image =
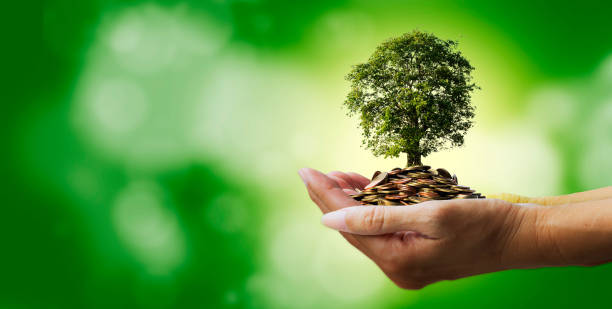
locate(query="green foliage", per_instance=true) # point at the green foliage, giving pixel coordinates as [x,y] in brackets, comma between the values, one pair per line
[413,96]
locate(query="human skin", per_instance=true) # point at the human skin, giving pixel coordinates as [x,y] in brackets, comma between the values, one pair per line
[428,242]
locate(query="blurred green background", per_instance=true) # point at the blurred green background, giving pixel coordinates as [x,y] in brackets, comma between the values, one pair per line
[151,147]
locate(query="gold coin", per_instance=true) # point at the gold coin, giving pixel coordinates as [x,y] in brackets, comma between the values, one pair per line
[379,179]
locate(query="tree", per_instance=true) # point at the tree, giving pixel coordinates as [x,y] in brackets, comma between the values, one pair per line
[412,96]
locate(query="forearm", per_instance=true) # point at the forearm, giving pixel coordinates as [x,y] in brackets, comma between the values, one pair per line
[570,234]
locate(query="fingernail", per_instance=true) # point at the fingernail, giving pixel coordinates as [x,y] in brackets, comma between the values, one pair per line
[349,191]
[303,175]
[335,220]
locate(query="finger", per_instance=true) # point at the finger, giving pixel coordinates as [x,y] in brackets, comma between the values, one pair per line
[340,181]
[325,209]
[322,206]
[347,188]
[377,220]
[359,180]
[349,191]
[349,237]
[318,202]
[327,190]
[345,178]
[328,193]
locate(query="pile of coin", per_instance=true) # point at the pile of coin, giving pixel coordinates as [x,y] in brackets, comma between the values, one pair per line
[412,185]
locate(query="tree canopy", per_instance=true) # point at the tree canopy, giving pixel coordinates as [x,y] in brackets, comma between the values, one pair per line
[412,96]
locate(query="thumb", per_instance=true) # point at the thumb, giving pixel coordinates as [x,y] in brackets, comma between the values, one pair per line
[376,220]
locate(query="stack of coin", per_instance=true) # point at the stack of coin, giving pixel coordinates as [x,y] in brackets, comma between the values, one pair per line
[412,185]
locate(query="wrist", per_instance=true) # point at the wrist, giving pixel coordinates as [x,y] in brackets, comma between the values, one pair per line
[579,234]
[549,242]
[531,239]
[565,235]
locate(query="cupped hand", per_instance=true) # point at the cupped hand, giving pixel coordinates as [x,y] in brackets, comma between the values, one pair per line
[428,242]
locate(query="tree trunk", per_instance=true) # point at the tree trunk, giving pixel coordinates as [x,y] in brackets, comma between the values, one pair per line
[414,159]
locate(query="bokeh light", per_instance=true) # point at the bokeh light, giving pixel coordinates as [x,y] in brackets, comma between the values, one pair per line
[149,228]
[152,147]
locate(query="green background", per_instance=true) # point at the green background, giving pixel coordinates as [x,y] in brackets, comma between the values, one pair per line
[150,148]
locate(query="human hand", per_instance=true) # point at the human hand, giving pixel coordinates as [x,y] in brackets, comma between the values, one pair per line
[432,241]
